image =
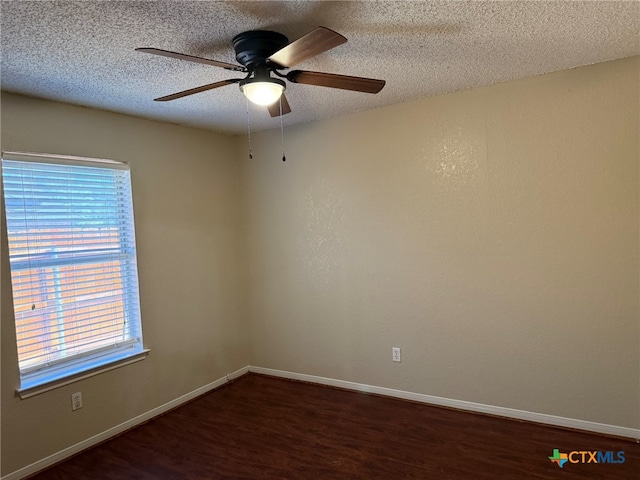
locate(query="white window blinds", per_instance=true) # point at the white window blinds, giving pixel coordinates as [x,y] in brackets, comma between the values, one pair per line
[72,254]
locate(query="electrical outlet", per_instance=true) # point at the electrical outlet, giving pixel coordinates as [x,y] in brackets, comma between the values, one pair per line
[395,354]
[76,401]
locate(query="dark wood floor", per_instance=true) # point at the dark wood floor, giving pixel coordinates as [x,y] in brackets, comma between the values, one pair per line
[264,427]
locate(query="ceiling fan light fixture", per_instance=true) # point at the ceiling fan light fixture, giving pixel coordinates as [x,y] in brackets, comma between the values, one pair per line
[262,53]
[263,92]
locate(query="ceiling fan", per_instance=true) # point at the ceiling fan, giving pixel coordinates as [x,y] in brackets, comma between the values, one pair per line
[262,53]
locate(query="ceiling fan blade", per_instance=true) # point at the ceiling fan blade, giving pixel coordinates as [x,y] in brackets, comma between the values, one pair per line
[332,80]
[274,108]
[313,43]
[191,91]
[191,58]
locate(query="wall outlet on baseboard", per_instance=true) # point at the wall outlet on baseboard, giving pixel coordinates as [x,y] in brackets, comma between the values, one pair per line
[395,354]
[76,401]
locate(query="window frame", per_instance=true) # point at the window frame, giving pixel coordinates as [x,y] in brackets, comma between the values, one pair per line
[49,375]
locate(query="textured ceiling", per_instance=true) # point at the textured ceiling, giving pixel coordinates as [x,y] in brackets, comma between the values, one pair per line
[83,52]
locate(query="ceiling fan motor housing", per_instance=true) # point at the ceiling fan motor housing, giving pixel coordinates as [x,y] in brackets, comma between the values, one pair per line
[255,46]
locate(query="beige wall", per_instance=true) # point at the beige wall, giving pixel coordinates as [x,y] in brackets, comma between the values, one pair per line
[492,234]
[186,186]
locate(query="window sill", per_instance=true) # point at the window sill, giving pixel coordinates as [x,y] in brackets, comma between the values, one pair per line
[24,393]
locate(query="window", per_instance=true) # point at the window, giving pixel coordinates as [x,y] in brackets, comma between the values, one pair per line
[72,255]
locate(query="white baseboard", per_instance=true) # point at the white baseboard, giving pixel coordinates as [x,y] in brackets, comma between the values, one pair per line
[101,437]
[359,387]
[459,404]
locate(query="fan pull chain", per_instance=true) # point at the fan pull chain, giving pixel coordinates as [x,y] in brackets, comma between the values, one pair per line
[249,130]
[284,158]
